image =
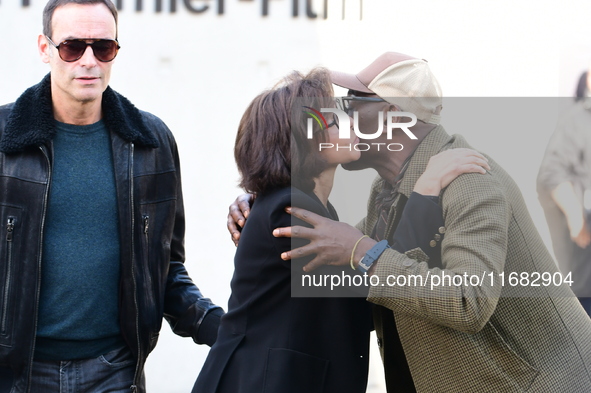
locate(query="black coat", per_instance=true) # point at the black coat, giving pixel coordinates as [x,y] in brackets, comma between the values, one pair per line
[154,282]
[271,342]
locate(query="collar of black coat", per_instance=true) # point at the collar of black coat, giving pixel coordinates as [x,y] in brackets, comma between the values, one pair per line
[31,121]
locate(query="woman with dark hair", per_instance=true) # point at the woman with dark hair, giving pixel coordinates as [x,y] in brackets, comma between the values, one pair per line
[269,341]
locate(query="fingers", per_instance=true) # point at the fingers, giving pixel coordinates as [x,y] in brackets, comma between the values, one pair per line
[463,160]
[240,208]
[313,265]
[297,253]
[295,232]
[244,203]
[481,161]
[461,167]
[238,212]
[474,168]
[446,166]
[235,219]
[282,232]
[472,164]
[305,215]
[233,229]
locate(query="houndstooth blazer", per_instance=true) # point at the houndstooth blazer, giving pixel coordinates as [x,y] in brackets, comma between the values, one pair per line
[488,337]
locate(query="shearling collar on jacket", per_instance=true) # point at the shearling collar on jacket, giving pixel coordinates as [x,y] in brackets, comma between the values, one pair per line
[31,121]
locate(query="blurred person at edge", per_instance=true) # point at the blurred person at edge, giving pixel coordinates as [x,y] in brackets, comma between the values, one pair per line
[448,338]
[582,89]
[564,191]
[92,219]
[270,341]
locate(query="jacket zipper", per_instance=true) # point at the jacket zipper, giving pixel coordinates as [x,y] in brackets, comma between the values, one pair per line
[134,387]
[9,234]
[45,199]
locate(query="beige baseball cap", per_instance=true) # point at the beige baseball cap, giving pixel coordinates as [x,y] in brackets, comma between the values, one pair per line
[401,80]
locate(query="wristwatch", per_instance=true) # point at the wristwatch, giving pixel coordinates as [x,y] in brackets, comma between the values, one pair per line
[372,255]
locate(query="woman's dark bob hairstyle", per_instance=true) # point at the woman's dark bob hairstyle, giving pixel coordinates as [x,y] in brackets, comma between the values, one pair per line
[272,149]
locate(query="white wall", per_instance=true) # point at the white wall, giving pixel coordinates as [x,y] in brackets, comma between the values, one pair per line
[199,71]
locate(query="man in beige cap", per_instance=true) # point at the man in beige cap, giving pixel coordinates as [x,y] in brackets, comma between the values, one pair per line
[471,321]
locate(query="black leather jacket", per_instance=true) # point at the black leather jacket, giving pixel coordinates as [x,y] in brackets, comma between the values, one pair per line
[154,282]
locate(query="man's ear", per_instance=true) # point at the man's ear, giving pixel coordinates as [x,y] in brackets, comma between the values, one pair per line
[392,108]
[44,48]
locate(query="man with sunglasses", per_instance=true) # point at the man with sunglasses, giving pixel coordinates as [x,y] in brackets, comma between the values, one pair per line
[92,222]
[437,333]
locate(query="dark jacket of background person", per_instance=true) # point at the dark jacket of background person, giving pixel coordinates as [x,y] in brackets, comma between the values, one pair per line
[270,342]
[154,282]
[568,158]
[482,338]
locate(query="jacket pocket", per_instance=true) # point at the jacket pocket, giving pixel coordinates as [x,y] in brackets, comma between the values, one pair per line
[10,220]
[145,258]
[513,365]
[290,371]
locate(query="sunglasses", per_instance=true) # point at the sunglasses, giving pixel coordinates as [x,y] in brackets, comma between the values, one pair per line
[334,122]
[346,103]
[72,50]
